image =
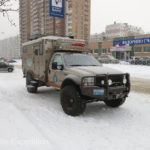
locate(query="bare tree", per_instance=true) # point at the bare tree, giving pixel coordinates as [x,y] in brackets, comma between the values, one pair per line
[6,6]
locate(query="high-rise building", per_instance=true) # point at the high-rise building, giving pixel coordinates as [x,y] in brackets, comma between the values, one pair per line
[78,18]
[41,23]
[24,18]
[36,21]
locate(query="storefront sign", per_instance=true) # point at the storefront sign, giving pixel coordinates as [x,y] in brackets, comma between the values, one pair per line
[56,8]
[118,49]
[132,42]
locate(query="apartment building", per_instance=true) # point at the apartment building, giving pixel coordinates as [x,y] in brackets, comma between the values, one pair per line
[122,30]
[35,20]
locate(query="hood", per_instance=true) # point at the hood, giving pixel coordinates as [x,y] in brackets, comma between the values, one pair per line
[92,71]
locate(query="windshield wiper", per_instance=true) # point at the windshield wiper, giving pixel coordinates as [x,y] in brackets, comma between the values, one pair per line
[92,65]
[76,65]
[83,65]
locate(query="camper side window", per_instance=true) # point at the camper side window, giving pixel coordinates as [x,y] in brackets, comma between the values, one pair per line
[36,50]
[41,49]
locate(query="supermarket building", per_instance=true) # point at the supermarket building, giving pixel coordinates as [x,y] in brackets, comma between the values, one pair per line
[123,48]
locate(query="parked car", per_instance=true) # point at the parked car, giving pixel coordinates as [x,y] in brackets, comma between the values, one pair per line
[145,60]
[140,60]
[11,61]
[108,59]
[6,67]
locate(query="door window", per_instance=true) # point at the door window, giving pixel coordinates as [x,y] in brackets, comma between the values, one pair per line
[58,59]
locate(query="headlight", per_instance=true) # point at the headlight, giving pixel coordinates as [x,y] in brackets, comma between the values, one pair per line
[102,82]
[109,82]
[88,81]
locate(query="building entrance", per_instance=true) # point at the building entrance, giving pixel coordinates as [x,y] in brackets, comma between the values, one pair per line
[122,55]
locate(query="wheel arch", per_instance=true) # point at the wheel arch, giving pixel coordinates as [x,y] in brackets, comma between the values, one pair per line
[29,72]
[71,80]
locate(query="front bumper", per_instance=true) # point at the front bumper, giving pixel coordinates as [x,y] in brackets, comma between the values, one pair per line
[106,92]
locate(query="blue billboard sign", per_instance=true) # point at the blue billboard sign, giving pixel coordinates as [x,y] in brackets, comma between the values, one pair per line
[56,8]
[132,42]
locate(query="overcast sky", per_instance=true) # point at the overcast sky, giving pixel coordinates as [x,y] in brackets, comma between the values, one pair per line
[103,12]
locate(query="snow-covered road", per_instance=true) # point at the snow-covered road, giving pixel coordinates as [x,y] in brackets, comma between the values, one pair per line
[37,122]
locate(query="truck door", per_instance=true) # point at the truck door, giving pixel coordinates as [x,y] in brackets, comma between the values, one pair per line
[36,60]
[41,62]
[56,76]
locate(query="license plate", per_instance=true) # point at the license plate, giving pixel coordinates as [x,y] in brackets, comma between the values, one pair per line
[98,92]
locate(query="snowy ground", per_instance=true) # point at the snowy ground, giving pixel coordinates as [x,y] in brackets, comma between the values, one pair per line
[37,122]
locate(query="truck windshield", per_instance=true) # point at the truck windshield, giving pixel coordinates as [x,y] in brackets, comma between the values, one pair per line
[80,60]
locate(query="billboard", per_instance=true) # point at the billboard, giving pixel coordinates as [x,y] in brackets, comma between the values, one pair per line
[56,8]
[132,42]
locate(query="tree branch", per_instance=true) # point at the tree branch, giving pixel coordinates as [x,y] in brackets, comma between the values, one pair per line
[6,6]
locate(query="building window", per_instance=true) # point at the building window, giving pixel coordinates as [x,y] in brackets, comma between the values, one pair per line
[96,51]
[137,49]
[147,49]
[103,50]
[25,50]
[41,49]
[108,50]
[90,51]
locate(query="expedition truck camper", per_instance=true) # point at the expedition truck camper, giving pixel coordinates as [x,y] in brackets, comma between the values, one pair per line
[65,64]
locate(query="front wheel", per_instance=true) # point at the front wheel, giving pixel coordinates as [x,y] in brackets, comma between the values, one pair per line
[71,101]
[115,102]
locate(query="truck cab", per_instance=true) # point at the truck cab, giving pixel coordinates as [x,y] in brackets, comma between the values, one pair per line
[65,64]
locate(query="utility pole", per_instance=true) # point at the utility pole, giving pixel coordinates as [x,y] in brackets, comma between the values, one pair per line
[66,17]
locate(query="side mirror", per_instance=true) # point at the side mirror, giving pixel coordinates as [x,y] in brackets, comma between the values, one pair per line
[61,67]
[54,65]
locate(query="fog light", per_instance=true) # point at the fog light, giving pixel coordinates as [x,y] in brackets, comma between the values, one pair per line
[124,80]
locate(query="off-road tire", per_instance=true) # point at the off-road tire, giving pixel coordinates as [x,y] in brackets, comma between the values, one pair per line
[10,69]
[115,102]
[148,63]
[30,89]
[71,101]
[144,63]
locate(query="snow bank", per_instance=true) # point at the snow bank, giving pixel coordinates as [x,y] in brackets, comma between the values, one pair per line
[134,70]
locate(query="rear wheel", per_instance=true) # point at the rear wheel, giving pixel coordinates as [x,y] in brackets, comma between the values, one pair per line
[115,102]
[71,101]
[30,88]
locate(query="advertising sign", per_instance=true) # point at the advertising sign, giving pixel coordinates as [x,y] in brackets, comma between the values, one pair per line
[56,8]
[132,42]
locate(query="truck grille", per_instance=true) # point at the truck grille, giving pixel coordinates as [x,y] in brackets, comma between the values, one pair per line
[116,80]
